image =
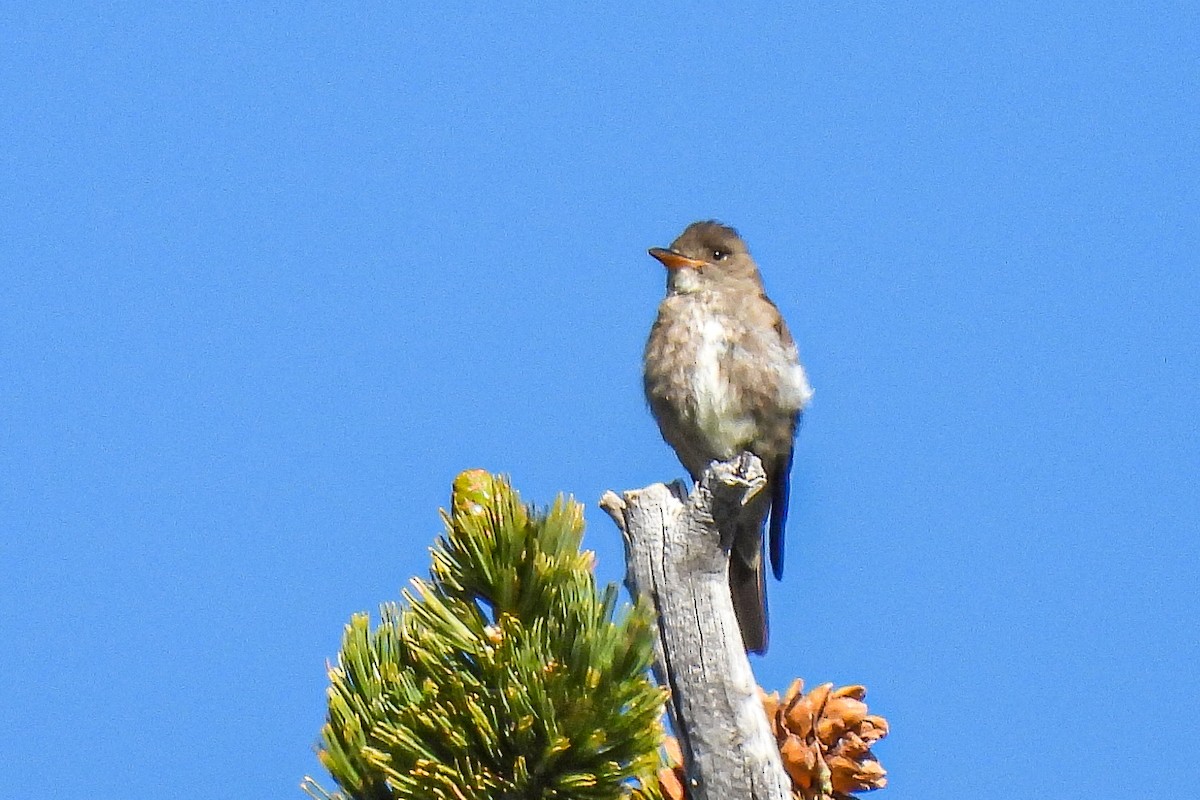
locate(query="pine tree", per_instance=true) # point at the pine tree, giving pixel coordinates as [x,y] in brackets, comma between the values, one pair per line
[507,674]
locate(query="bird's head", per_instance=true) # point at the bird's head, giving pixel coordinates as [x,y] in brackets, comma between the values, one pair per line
[708,256]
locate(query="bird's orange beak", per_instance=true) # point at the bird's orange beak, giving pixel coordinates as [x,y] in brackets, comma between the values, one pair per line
[672,260]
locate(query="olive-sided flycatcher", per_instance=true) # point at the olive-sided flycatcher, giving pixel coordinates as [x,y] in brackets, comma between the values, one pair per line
[722,375]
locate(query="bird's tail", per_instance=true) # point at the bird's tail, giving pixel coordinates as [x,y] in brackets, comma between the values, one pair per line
[747,588]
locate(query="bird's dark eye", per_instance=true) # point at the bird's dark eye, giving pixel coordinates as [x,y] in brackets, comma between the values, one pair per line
[720,255]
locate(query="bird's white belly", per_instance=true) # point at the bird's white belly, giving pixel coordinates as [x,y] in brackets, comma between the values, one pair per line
[718,407]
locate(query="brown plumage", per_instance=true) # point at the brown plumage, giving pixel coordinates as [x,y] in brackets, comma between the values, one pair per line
[722,376]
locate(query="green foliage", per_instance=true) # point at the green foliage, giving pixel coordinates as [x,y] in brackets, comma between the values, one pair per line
[506,675]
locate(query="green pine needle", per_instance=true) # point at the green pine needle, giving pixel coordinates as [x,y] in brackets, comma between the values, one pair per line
[507,675]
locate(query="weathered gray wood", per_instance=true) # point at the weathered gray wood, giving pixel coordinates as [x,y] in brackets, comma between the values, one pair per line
[678,556]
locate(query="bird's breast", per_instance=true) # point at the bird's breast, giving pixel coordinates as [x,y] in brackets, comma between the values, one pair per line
[692,369]
[717,402]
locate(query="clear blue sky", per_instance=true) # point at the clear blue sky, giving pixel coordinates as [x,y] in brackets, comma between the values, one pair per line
[269,277]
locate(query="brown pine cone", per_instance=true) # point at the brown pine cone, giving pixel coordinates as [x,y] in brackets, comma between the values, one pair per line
[825,740]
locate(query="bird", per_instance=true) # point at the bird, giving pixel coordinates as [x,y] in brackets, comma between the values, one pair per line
[722,375]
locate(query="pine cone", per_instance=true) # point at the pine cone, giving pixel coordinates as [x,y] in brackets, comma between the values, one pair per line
[671,778]
[825,740]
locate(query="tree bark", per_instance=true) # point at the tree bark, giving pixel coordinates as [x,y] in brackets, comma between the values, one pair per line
[677,556]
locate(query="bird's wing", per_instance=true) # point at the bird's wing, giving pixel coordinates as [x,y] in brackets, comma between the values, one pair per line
[780,473]
[779,479]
